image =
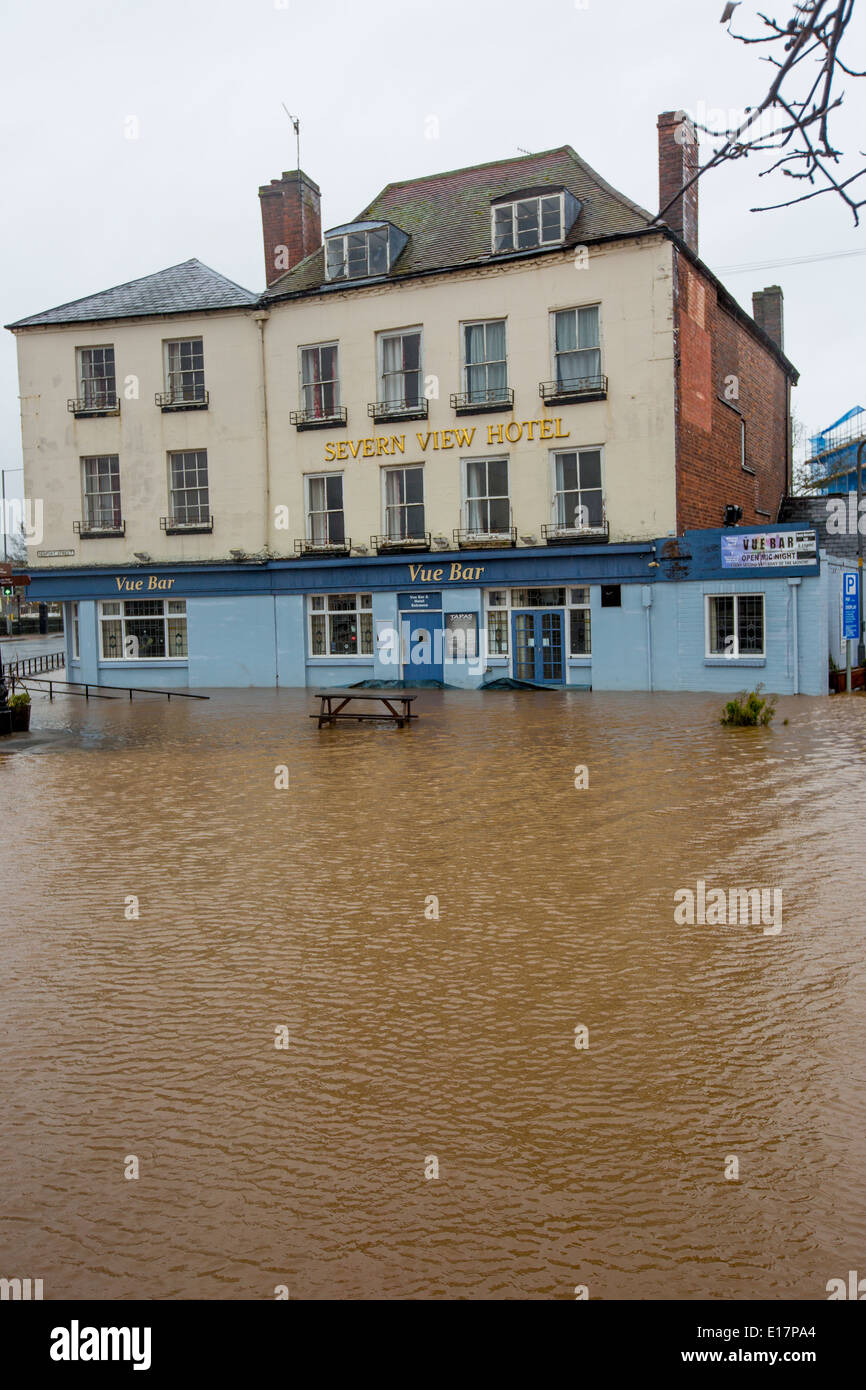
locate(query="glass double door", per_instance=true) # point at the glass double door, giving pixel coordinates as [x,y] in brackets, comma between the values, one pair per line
[538,647]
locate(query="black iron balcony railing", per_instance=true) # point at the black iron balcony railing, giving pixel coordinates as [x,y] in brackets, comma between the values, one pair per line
[386,545]
[86,406]
[383,411]
[579,388]
[308,547]
[95,530]
[555,534]
[466,539]
[186,526]
[477,402]
[183,399]
[313,420]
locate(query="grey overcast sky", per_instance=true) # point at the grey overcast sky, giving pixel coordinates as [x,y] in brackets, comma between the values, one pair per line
[87,207]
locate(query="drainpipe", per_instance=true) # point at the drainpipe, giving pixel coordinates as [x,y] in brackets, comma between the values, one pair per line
[795,589]
[261,318]
[646,599]
[861,646]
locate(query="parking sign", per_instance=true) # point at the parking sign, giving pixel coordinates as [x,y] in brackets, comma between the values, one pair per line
[850,605]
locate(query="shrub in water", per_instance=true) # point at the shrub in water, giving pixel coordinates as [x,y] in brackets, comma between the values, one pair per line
[749,708]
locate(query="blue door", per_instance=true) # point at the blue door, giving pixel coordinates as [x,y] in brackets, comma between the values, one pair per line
[538,647]
[422,646]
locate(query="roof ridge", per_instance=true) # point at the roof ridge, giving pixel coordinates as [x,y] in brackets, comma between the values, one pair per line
[608,187]
[464,169]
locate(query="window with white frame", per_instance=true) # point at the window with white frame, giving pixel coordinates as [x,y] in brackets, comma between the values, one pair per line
[579,622]
[142,629]
[355,255]
[320,381]
[101,484]
[73,616]
[341,624]
[325,520]
[404,503]
[486,503]
[578,499]
[184,370]
[576,346]
[485,367]
[97,386]
[400,369]
[499,604]
[735,625]
[496,601]
[188,494]
[528,222]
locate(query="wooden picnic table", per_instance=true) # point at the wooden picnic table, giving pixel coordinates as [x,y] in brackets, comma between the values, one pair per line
[330,713]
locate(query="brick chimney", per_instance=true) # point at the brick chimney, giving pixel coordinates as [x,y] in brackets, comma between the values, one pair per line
[768,311]
[291,222]
[678,161]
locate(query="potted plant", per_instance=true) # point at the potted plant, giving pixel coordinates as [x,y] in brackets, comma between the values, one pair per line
[839,678]
[20,707]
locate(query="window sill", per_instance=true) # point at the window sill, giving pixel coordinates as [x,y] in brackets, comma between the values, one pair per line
[329,660]
[580,660]
[136,663]
[735,661]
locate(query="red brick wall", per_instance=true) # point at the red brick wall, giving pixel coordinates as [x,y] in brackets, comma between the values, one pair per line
[291,222]
[718,355]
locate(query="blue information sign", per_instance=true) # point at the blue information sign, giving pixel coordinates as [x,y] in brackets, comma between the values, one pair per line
[850,605]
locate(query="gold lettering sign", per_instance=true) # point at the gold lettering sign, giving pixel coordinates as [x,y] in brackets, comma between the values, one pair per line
[434,440]
[419,574]
[149,582]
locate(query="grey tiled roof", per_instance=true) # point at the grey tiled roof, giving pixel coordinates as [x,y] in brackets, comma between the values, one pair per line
[447,216]
[182,288]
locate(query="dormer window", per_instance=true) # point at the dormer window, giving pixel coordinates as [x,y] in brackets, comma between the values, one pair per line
[530,222]
[531,218]
[358,255]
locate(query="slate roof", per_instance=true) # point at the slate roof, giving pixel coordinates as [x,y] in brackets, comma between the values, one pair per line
[182,288]
[447,216]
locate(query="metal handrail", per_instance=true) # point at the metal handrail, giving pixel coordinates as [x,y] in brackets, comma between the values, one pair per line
[129,690]
[577,388]
[478,401]
[54,660]
[382,411]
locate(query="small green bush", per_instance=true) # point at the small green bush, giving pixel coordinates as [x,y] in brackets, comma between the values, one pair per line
[749,709]
[19,701]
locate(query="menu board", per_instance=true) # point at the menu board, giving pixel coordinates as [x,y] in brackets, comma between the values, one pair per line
[461,636]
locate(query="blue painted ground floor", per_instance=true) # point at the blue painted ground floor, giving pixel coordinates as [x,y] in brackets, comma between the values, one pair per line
[713,610]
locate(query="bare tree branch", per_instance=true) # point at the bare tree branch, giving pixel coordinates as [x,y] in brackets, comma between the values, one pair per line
[808,45]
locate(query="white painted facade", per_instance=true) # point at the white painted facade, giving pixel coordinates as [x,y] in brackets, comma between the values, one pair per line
[258,461]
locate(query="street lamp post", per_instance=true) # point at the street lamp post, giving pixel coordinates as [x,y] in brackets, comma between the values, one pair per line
[5,711]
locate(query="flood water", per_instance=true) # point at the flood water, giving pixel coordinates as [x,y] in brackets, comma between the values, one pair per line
[411,1038]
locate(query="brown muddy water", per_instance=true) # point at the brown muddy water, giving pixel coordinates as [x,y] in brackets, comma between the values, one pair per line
[412,1038]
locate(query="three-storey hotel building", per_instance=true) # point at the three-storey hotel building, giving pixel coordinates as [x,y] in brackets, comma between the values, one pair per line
[503,424]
